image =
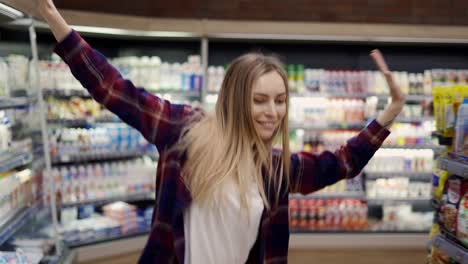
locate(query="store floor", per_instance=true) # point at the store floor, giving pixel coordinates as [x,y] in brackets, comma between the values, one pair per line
[322,257]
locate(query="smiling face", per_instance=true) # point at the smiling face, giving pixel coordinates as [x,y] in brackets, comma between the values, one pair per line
[268,104]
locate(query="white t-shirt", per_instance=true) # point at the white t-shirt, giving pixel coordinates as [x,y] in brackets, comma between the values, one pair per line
[223,235]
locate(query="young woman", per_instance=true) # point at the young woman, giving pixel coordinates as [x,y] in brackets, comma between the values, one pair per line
[222,190]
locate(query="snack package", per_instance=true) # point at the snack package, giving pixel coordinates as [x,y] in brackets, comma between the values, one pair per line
[454,190]
[462,221]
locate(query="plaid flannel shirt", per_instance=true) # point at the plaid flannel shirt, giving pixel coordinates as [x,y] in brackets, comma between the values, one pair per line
[161,123]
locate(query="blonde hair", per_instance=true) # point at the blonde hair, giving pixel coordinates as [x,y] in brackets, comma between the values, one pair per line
[225,145]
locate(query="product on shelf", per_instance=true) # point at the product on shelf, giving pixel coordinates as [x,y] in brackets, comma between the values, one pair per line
[18,73]
[18,189]
[461,136]
[401,160]
[310,214]
[447,99]
[402,218]
[439,179]
[348,186]
[147,72]
[4,91]
[125,215]
[455,189]
[75,108]
[215,78]
[361,82]
[398,188]
[462,221]
[105,139]
[104,180]
[322,111]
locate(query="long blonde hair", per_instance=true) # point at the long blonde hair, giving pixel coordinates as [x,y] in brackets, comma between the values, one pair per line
[225,145]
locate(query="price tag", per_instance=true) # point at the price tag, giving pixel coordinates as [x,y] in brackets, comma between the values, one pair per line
[465,172]
[437,242]
[65,158]
[443,164]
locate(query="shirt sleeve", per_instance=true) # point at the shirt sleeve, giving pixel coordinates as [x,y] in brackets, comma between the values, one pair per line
[159,121]
[311,172]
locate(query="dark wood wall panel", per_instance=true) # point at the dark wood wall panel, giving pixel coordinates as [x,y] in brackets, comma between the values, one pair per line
[439,12]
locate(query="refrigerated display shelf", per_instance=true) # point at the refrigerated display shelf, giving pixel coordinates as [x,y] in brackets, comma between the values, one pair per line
[422,146]
[297,231]
[410,98]
[358,241]
[101,201]
[329,126]
[98,157]
[178,93]
[413,201]
[110,238]
[411,175]
[331,95]
[414,119]
[14,160]
[450,248]
[15,220]
[14,102]
[83,121]
[66,93]
[457,167]
[343,195]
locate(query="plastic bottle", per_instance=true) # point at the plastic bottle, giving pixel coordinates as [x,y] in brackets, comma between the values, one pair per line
[461,134]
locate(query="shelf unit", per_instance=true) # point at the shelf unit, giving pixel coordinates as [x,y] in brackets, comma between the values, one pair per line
[450,248]
[101,201]
[14,102]
[15,220]
[457,167]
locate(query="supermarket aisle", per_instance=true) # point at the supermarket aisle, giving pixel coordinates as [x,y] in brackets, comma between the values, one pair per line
[322,257]
[123,259]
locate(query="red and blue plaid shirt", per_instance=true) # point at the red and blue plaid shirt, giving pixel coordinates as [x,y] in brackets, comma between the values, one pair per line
[161,123]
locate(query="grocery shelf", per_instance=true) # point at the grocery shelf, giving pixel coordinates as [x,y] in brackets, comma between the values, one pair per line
[101,201]
[329,126]
[343,195]
[411,175]
[14,160]
[414,119]
[68,93]
[413,201]
[370,232]
[105,239]
[15,220]
[453,166]
[14,102]
[354,240]
[450,248]
[330,95]
[422,146]
[178,92]
[410,98]
[83,121]
[89,253]
[97,157]
[418,97]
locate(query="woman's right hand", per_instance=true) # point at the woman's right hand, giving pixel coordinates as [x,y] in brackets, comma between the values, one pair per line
[36,8]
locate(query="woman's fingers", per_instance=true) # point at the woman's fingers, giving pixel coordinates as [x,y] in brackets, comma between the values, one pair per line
[395,91]
[379,61]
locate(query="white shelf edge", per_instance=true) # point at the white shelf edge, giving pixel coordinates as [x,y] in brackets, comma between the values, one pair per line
[358,241]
